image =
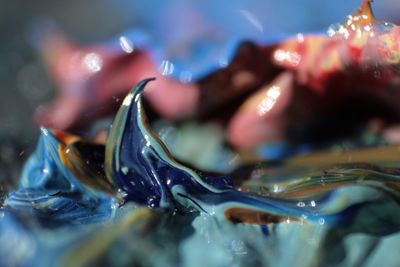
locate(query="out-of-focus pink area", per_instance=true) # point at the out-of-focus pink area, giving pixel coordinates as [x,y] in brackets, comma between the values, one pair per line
[92,80]
[318,73]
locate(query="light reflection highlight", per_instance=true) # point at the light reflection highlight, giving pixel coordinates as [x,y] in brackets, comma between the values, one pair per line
[252,19]
[166,68]
[269,101]
[126,44]
[293,58]
[93,62]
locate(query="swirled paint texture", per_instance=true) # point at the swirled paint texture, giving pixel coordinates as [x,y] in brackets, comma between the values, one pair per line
[131,202]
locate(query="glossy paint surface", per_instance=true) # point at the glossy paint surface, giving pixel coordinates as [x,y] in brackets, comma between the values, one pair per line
[325,208]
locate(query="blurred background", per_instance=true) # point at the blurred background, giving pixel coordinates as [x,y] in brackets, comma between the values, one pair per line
[24,83]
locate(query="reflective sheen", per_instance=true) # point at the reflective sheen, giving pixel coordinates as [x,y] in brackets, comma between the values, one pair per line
[126,44]
[269,101]
[93,62]
[321,209]
[121,198]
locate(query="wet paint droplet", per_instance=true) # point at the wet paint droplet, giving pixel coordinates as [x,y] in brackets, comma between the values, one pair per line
[301,204]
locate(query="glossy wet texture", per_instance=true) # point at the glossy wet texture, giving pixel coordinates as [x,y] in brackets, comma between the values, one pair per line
[324,207]
[121,198]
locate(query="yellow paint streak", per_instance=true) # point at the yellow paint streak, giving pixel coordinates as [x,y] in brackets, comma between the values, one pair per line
[88,250]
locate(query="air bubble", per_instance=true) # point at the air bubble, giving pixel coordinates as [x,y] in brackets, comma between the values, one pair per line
[301,204]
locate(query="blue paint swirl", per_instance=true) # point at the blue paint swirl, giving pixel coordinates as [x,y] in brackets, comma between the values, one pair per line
[56,214]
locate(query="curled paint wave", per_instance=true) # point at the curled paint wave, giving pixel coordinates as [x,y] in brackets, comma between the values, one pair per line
[70,182]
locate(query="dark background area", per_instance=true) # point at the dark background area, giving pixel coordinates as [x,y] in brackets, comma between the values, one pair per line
[24,83]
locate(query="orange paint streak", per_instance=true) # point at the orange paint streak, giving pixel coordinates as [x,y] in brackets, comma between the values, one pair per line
[242,215]
[65,138]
